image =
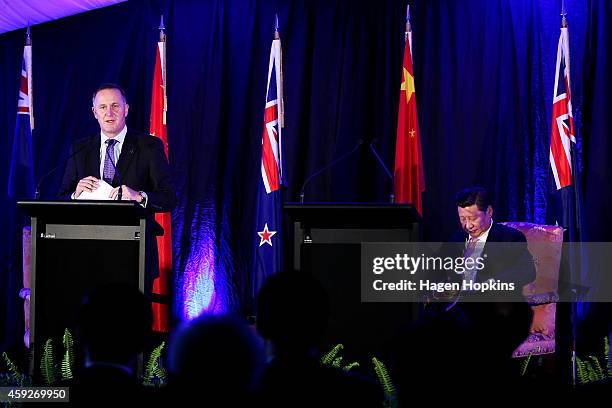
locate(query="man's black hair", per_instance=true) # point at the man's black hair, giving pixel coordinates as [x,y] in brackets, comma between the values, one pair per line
[473,195]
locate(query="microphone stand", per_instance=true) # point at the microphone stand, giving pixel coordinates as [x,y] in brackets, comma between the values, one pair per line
[333,162]
[384,167]
[47,174]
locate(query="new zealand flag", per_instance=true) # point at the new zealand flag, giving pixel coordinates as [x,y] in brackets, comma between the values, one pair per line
[268,241]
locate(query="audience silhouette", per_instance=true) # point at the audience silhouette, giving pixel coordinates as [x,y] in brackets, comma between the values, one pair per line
[214,359]
[293,309]
[113,327]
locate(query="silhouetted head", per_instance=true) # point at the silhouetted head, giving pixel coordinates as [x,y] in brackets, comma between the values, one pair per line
[216,355]
[114,323]
[293,311]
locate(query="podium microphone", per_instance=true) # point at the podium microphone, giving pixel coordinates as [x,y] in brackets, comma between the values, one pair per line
[87,146]
[382,164]
[328,166]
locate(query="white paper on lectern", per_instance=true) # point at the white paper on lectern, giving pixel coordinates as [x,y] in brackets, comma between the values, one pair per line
[101,193]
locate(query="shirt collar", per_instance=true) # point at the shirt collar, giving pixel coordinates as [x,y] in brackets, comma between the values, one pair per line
[119,138]
[483,237]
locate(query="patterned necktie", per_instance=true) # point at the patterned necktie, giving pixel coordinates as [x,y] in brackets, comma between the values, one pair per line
[109,161]
[470,248]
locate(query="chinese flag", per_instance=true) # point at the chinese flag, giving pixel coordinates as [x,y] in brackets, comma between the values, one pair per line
[164,243]
[409,177]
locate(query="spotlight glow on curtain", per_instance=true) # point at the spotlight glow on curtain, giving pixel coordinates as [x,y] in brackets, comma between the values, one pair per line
[203,287]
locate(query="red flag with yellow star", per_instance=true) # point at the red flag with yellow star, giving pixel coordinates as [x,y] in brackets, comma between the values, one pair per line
[409,177]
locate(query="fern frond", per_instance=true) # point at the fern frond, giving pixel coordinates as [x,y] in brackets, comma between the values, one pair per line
[524,365]
[66,370]
[12,367]
[68,360]
[154,369]
[329,357]
[590,371]
[350,366]
[598,371]
[581,372]
[15,377]
[607,357]
[337,362]
[47,365]
[385,380]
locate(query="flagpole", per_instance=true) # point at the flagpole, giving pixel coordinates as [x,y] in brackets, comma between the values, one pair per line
[157,128]
[162,45]
[408,176]
[281,102]
[268,252]
[408,33]
[280,67]
[573,309]
[563,15]
[28,52]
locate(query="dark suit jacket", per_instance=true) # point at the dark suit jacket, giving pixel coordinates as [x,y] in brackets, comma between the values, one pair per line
[142,166]
[509,263]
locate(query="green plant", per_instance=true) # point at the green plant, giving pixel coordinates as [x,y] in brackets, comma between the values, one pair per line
[333,359]
[155,374]
[68,359]
[590,369]
[329,357]
[14,377]
[12,368]
[524,365]
[607,356]
[47,364]
[385,381]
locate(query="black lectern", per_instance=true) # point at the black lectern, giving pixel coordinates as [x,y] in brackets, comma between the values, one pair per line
[327,241]
[77,246]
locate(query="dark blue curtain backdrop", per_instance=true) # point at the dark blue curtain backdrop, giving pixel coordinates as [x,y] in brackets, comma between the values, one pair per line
[484,75]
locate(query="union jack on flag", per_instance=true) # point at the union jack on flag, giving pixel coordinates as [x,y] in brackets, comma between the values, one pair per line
[271,166]
[21,171]
[562,128]
[268,244]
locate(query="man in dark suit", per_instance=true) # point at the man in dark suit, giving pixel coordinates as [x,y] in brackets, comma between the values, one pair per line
[503,249]
[499,254]
[125,159]
[118,156]
[475,329]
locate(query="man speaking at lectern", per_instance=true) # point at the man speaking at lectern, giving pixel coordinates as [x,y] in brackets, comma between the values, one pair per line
[120,157]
